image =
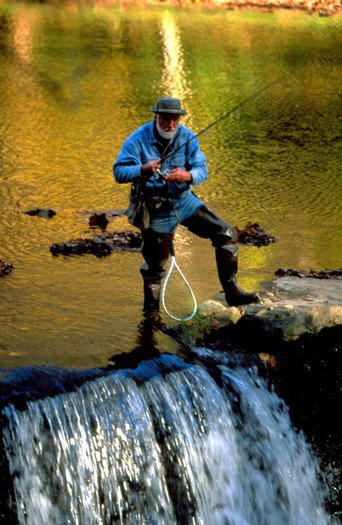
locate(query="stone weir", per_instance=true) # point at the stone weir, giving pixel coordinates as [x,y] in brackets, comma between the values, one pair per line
[295,335]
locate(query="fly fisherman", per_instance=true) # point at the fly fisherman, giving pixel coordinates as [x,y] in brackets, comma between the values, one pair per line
[166,186]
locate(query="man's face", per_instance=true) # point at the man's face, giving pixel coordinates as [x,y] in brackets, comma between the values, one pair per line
[167,124]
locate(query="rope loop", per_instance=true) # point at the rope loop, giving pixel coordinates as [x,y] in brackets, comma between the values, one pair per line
[173,266]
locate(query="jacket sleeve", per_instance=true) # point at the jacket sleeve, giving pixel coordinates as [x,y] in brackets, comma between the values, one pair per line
[126,167]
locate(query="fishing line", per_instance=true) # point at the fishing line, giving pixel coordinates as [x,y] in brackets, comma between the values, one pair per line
[173,266]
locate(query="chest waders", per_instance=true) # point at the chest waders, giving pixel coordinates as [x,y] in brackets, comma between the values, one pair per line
[157,247]
[205,223]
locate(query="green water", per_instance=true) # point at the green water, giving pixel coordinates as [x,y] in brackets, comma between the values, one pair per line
[76,80]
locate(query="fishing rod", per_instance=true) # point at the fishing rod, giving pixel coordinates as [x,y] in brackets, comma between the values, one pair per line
[162,174]
[223,116]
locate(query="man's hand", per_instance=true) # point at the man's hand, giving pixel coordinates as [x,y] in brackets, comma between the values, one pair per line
[150,168]
[179,175]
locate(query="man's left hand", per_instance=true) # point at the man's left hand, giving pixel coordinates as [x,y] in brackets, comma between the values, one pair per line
[178,175]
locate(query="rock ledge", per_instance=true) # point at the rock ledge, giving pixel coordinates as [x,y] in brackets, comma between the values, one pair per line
[291,310]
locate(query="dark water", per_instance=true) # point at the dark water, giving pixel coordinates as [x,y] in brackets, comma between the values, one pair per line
[77,79]
[166,444]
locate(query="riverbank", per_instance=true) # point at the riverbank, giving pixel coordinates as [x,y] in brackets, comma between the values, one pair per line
[320,7]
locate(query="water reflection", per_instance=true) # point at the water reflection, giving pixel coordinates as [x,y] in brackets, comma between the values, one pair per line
[146,346]
[174,74]
[23,34]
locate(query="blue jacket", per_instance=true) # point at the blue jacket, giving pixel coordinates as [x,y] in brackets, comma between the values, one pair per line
[141,147]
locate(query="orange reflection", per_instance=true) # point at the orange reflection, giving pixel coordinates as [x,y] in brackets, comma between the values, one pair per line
[173,76]
[23,32]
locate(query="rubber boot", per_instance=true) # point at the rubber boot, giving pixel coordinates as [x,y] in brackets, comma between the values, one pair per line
[156,251]
[227,265]
[152,288]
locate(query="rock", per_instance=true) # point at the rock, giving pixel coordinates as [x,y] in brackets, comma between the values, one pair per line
[293,322]
[46,214]
[96,218]
[100,220]
[221,316]
[291,309]
[210,307]
[99,245]
[109,214]
[254,234]
[5,268]
[324,274]
[298,291]
[269,361]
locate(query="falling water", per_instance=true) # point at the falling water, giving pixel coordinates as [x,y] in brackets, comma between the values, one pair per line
[178,447]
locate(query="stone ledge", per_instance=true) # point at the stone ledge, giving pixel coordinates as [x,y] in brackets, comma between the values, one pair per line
[291,309]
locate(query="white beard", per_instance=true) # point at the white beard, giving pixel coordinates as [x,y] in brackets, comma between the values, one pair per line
[165,134]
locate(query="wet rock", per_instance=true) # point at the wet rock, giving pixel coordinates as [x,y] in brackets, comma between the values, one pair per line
[220,315]
[99,220]
[298,291]
[46,214]
[106,243]
[292,309]
[5,268]
[324,274]
[291,322]
[99,245]
[96,218]
[254,234]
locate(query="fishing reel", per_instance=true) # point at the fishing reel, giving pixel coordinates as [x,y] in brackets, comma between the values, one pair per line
[162,174]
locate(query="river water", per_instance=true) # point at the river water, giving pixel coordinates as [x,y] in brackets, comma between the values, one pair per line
[77,78]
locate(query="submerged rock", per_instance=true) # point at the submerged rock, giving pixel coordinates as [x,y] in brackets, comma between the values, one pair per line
[46,214]
[101,219]
[106,243]
[100,245]
[5,268]
[96,218]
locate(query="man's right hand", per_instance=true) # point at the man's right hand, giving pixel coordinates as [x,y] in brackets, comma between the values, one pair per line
[150,168]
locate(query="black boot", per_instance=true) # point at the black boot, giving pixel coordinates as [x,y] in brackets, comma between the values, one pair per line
[155,250]
[227,265]
[152,288]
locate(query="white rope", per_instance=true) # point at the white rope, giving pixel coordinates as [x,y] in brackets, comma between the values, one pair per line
[172,266]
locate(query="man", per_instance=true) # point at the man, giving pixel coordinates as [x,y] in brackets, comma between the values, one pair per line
[165,157]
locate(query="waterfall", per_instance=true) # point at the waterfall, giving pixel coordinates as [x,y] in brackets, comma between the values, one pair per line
[179,446]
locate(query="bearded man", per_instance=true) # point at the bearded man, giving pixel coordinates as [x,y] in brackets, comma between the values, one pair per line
[168,180]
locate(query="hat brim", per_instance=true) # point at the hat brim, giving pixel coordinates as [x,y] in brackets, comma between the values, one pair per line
[169,111]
